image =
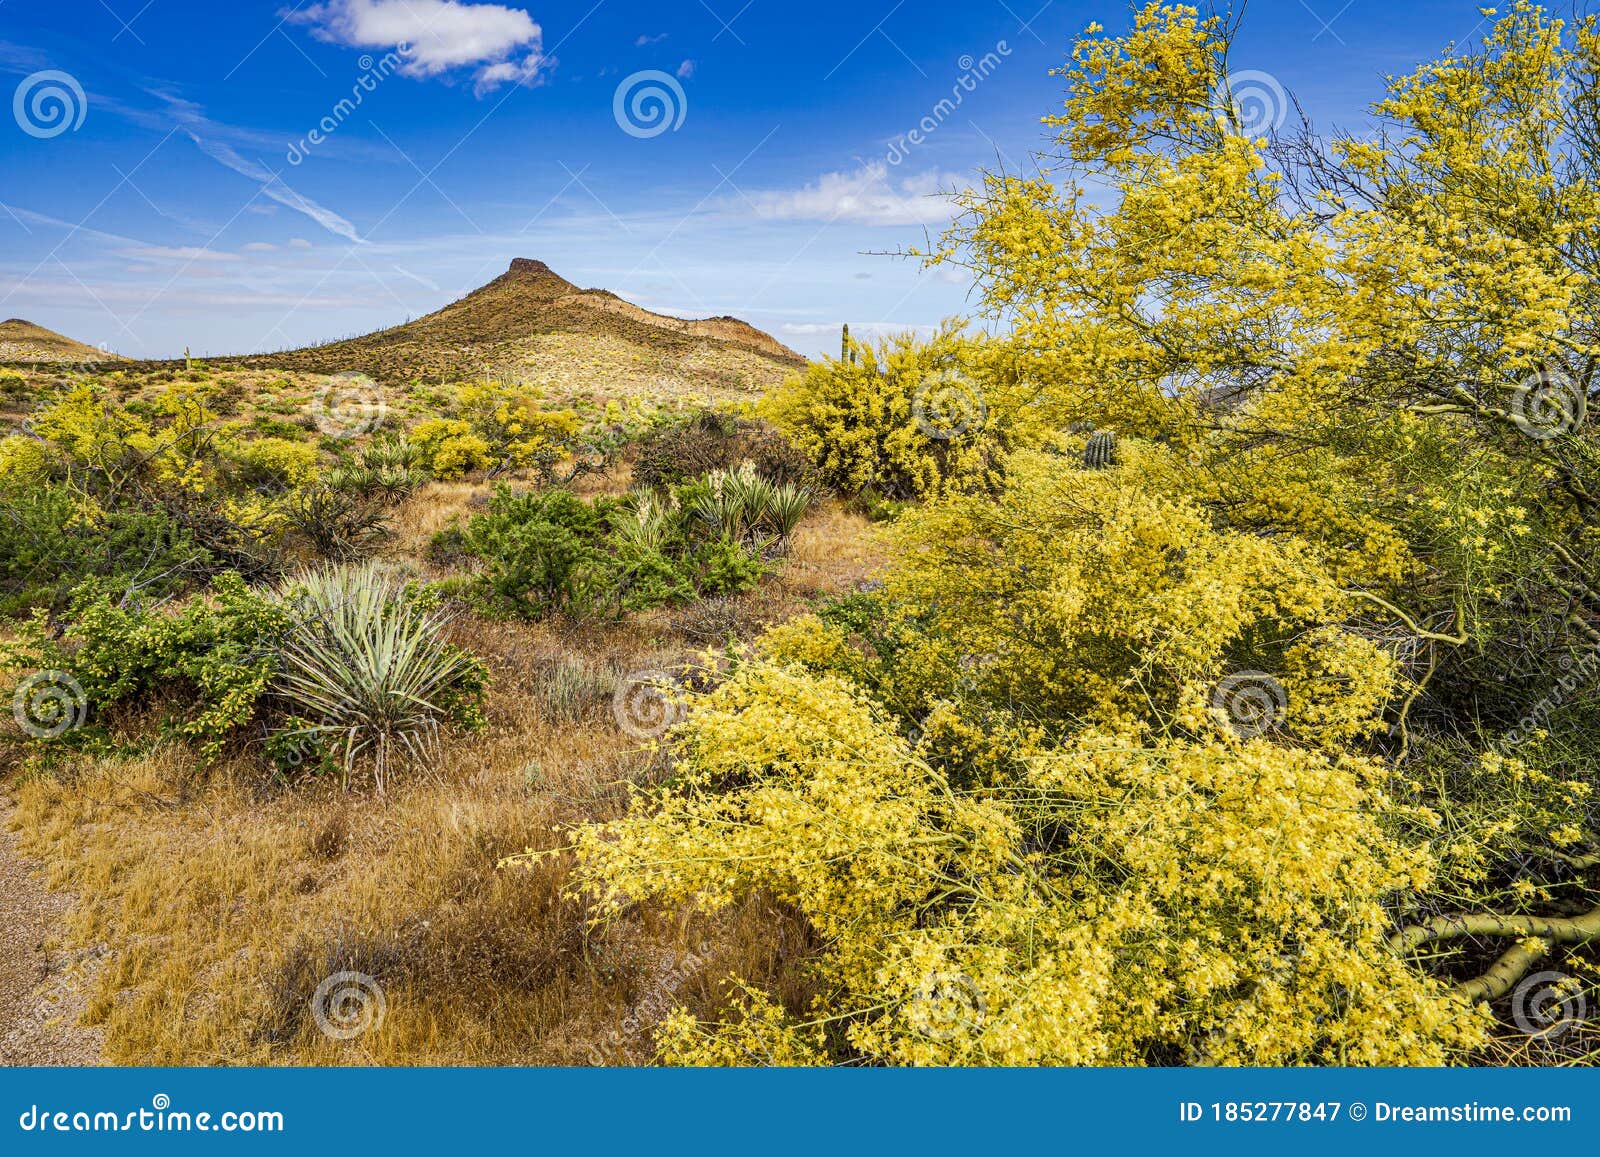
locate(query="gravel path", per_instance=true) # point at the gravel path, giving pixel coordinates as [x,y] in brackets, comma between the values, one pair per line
[39,1009]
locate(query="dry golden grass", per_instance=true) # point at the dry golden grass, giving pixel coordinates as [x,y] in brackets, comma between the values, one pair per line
[222,898]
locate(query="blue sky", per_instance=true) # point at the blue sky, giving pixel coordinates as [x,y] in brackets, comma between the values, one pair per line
[191,205]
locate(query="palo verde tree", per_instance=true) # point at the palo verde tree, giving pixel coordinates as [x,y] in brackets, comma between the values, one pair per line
[1268,738]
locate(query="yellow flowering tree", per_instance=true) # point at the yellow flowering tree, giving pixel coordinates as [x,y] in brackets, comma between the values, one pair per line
[1238,707]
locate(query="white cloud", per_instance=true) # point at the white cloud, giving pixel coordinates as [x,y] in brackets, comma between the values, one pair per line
[857,328]
[260,246]
[170,253]
[686,70]
[299,243]
[274,187]
[499,43]
[867,196]
[645,38]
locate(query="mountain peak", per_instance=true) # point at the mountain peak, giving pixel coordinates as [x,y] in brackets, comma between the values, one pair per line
[530,265]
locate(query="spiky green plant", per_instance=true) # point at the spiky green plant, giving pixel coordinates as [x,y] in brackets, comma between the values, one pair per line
[786,506]
[340,524]
[646,524]
[367,672]
[392,454]
[744,507]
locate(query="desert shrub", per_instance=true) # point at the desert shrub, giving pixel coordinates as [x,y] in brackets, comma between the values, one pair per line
[451,447]
[713,440]
[273,462]
[906,418]
[543,553]
[339,523]
[550,552]
[52,538]
[211,661]
[366,673]
[491,425]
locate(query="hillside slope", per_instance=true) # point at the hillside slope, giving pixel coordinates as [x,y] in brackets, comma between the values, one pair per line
[531,324]
[22,341]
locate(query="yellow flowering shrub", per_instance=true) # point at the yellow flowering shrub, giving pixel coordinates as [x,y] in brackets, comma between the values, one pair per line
[491,424]
[451,447]
[903,418]
[1231,698]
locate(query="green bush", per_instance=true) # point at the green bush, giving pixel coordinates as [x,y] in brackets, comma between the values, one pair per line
[51,539]
[213,659]
[712,441]
[544,553]
[551,552]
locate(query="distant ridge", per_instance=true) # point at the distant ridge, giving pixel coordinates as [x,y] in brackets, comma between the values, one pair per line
[532,323]
[23,341]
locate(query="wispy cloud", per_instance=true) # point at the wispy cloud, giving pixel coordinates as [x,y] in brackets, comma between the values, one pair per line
[859,328]
[175,253]
[867,196]
[272,186]
[499,44]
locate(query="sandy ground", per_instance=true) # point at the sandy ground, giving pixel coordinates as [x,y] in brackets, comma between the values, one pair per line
[39,1007]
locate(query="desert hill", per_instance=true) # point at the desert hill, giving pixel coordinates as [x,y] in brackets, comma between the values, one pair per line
[531,324]
[22,341]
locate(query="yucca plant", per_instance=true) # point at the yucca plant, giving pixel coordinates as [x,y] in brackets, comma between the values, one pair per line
[734,501]
[392,455]
[786,506]
[646,525]
[746,508]
[367,673]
